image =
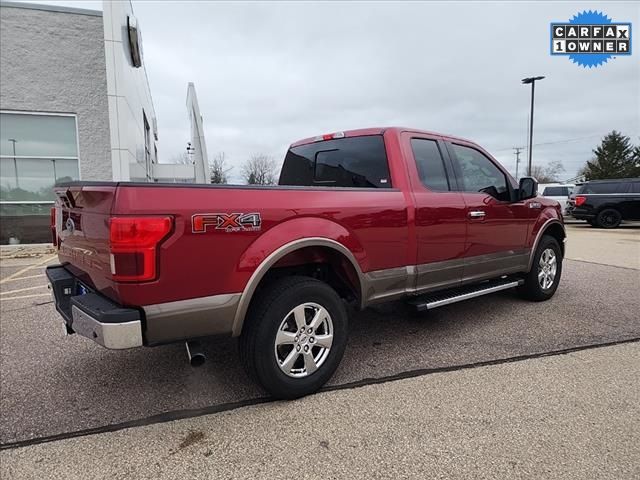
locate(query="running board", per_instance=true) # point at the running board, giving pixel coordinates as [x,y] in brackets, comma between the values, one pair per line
[438,299]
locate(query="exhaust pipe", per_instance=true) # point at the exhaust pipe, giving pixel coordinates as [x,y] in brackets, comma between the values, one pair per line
[195,353]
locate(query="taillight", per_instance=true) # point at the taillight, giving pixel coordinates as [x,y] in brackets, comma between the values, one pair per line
[580,200]
[133,242]
[54,234]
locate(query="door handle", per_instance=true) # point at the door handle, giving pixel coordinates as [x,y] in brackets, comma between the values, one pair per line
[477,214]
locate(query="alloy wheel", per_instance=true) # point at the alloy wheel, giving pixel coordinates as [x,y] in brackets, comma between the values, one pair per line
[547,268]
[303,340]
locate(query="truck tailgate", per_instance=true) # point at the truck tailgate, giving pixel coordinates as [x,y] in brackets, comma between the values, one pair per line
[82,229]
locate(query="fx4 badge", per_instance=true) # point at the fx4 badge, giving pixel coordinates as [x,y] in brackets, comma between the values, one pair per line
[229,222]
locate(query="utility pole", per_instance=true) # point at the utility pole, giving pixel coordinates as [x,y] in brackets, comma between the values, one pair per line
[532,81]
[517,151]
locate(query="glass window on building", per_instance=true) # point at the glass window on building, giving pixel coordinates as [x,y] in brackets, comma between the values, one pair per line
[36,152]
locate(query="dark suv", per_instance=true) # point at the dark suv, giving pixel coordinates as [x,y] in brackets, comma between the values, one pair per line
[606,203]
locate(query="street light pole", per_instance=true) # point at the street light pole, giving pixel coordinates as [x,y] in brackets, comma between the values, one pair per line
[532,81]
[55,175]
[15,163]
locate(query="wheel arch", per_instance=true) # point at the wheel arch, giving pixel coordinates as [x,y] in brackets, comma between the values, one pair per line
[293,253]
[554,228]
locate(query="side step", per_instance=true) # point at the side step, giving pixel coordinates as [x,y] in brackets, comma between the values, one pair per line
[438,299]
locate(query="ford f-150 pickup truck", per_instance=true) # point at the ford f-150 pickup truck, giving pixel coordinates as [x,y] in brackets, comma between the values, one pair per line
[358,217]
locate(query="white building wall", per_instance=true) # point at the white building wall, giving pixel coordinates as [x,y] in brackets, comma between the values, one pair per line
[52,61]
[129,97]
[199,156]
[173,172]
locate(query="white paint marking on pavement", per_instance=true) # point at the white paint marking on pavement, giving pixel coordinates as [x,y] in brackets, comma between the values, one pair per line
[24,278]
[22,289]
[20,272]
[25,296]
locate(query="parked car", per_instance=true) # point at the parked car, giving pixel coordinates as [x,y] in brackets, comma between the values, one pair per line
[557,191]
[606,203]
[358,218]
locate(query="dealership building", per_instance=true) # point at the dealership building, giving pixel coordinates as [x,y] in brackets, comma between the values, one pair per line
[75,104]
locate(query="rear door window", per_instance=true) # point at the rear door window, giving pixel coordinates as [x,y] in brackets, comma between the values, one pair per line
[430,164]
[605,187]
[355,162]
[552,191]
[556,192]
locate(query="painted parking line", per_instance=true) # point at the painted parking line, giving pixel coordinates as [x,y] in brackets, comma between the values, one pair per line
[9,292]
[25,296]
[26,269]
[24,278]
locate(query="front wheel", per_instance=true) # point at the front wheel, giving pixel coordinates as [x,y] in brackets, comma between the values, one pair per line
[294,336]
[542,280]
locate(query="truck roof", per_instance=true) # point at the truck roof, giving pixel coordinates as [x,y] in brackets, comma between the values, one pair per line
[375,131]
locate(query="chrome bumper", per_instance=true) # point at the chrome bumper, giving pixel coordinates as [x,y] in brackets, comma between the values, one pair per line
[115,336]
[91,314]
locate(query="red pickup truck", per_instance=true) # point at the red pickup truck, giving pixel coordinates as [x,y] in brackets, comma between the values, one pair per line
[358,218]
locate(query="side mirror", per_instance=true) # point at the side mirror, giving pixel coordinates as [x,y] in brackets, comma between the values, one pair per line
[528,188]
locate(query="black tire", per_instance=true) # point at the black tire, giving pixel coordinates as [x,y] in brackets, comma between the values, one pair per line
[269,308]
[592,222]
[609,218]
[532,289]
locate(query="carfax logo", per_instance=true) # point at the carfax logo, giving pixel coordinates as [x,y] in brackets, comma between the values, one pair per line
[591,38]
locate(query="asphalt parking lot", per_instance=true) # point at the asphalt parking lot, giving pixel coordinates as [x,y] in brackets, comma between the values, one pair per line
[570,416]
[54,387]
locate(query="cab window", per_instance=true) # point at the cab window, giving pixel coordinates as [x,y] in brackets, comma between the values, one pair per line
[352,162]
[479,174]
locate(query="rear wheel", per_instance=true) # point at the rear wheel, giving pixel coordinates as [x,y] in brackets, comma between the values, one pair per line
[542,280]
[609,218]
[294,336]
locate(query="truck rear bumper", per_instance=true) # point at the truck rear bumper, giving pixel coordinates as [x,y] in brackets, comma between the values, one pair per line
[113,326]
[583,214]
[93,315]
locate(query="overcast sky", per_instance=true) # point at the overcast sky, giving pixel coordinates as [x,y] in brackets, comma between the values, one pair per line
[267,74]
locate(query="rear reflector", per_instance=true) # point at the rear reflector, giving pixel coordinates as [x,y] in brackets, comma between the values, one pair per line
[133,242]
[54,234]
[580,200]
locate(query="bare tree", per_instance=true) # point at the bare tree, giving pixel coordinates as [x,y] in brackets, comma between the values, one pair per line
[181,158]
[548,173]
[219,170]
[260,169]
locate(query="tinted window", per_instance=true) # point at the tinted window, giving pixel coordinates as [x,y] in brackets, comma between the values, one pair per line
[36,151]
[344,162]
[556,192]
[430,164]
[604,187]
[635,187]
[38,135]
[479,174]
